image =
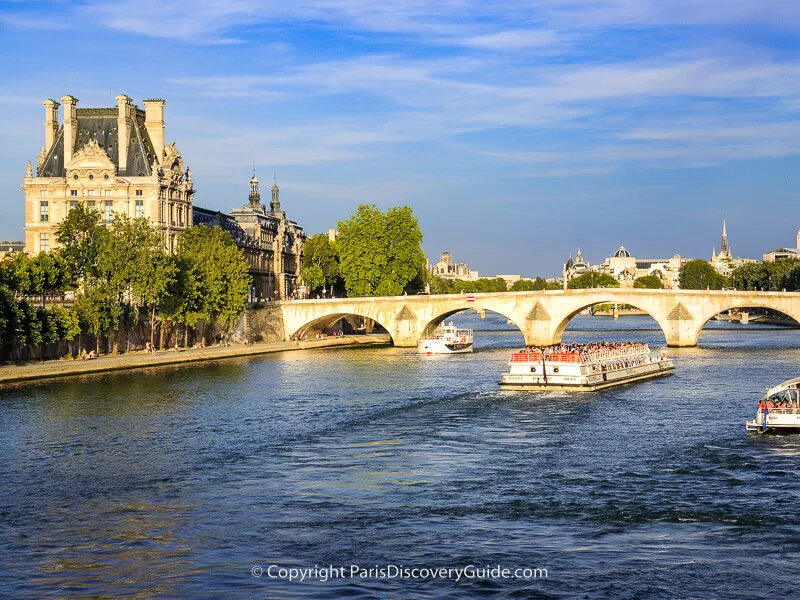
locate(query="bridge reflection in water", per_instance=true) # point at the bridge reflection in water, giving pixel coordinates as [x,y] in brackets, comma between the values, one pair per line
[541,316]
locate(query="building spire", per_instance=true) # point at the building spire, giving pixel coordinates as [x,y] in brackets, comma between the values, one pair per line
[724,249]
[255,196]
[275,205]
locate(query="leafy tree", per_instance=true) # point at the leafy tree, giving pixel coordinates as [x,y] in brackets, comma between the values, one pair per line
[313,276]
[591,279]
[700,275]
[320,262]
[214,276]
[49,275]
[522,285]
[539,284]
[650,282]
[82,237]
[379,253]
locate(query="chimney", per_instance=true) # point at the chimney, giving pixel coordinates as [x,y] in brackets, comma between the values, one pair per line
[70,126]
[123,130]
[154,124]
[50,123]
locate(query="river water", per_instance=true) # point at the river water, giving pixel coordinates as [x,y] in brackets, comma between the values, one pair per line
[177,483]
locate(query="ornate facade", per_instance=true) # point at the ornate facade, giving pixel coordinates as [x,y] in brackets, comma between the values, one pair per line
[111,159]
[447,269]
[272,244]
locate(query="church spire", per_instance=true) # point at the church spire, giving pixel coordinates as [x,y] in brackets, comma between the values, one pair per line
[724,249]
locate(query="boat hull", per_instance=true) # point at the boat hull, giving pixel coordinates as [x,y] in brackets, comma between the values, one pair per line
[442,347]
[587,383]
[776,423]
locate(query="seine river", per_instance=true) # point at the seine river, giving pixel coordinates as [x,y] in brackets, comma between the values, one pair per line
[185,482]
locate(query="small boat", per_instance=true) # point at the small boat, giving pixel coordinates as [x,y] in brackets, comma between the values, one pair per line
[584,367]
[778,410]
[447,339]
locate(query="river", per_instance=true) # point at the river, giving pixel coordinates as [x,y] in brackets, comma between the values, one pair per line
[184,482]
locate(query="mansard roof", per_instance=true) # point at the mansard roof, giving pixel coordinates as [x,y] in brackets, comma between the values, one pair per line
[100,124]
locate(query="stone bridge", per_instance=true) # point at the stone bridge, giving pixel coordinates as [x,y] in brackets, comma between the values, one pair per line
[541,316]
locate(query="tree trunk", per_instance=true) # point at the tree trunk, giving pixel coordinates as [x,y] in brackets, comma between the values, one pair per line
[186,335]
[153,327]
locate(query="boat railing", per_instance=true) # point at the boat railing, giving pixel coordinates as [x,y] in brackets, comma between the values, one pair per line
[580,357]
[782,411]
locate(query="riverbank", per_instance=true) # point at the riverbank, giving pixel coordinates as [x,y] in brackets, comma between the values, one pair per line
[56,369]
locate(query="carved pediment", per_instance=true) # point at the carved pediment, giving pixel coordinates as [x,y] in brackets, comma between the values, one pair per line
[91,156]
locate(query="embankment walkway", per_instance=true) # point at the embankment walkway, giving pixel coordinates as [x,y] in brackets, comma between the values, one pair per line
[55,369]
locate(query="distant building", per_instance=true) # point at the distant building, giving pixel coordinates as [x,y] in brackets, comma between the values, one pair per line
[578,267]
[446,269]
[110,159]
[626,268]
[621,266]
[724,262]
[781,253]
[272,244]
[7,248]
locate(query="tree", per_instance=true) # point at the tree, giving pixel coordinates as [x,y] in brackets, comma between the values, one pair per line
[591,279]
[522,285]
[650,282]
[82,236]
[320,262]
[214,276]
[379,253]
[700,275]
[539,284]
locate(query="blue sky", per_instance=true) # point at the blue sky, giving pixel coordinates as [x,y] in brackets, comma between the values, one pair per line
[517,131]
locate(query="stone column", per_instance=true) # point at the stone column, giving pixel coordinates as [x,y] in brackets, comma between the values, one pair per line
[123,129]
[154,124]
[70,126]
[50,123]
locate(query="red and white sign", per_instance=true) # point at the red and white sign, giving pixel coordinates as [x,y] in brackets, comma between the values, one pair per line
[470,298]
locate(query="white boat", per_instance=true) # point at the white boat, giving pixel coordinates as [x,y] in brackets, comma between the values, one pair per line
[584,367]
[779,410]
[447,339]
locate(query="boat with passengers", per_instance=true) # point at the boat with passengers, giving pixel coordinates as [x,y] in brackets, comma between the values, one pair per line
[447,339]
[584,367]
[778,410]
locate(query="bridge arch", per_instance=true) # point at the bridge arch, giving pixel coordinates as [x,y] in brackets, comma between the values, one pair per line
[431,326]
[323,324]
[776,306]
[640,304]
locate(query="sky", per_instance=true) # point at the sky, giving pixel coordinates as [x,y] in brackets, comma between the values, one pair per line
[517,131]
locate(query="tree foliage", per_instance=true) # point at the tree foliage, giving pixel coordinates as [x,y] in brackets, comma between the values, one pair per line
[379,253]
[700,275]
[650,282]
[781,274]
[215,280]
[591,279]
[320,262]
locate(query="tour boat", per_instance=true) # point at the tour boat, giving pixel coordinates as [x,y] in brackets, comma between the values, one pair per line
[778,410]
[447,339]
[584,367]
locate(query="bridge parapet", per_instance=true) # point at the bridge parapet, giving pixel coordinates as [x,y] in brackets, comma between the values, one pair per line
[542,316]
